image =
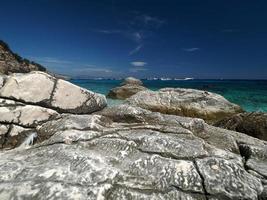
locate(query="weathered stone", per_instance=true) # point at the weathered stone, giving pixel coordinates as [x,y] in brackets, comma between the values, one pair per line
[15,137]
[131,114]
[72,122]
[185,102]
[73,99]
[41,89]
[25,115]
[35,87]
[253,124]
[226,178]
[126,152]
[125,91]
[1,81]
[129,87]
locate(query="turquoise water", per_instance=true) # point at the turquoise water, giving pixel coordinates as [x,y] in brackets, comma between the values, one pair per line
[251,95]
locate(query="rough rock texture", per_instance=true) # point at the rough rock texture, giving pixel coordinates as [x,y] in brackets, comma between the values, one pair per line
[253,124]
[13,63]
[185,102]
[44,90]
[129,87]
[127,152]
[24,115]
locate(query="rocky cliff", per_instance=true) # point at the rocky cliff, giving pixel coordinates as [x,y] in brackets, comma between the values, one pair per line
[11,62]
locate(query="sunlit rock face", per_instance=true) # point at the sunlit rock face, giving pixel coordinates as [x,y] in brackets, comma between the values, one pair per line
[185,102]
[29,100]
[42,89]
[128,88]
[126,152]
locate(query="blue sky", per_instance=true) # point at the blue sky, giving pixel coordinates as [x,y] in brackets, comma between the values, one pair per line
[143,38]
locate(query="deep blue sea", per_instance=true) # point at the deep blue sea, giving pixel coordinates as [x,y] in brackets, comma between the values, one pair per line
[251,95]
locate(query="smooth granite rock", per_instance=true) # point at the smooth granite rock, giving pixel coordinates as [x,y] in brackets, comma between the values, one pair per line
[44,90]
[185,102]
[253,124]
[128,88]
[126,152]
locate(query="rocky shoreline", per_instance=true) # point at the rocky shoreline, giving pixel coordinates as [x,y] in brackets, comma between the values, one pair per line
[59,141]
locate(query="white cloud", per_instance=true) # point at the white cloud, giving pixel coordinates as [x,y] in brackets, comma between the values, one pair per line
[138,64]
[191,49]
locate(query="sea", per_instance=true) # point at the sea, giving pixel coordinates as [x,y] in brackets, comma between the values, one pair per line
[251,95]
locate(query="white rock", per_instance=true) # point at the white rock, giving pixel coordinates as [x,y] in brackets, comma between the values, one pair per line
[71,98]
[27,115]
[34,87]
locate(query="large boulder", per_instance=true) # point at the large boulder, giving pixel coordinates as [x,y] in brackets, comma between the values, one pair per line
[185,102]
[253,124]
[128,88]
[44,90]
[145,156]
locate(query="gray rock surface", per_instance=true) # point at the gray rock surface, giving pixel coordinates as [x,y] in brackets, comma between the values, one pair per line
[126,152]
[12,112]
[44,90]
[253,124]
[185,102]
[128,88]
[1,81]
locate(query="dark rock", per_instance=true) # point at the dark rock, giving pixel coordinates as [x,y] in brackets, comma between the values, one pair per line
[11,62]
[128,88]
[253,124]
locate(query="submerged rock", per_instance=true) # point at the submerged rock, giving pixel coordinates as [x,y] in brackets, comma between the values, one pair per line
[253,124]
[129,87]
[126,152]
[44,90]
[185,102]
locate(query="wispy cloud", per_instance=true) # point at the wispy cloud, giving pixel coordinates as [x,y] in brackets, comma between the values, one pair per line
[150,20]
[138,63]
[93,68]
[136,49]
[191,49]
[50,60]
[137,29]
